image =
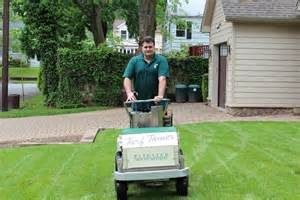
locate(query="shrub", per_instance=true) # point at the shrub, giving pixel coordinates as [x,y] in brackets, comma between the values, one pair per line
[94,75]
[17,62]
[90,77]
[187,70]
[204,87]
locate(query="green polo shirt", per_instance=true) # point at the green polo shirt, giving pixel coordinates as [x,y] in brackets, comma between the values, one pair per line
[145,75]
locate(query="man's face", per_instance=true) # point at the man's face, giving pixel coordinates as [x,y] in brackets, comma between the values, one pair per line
[148,48]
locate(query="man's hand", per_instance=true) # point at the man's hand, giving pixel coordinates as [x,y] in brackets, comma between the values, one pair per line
[130,97]
[158,98]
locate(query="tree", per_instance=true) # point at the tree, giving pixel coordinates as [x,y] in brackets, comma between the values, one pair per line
[97,15]
[49,24]
[147,21]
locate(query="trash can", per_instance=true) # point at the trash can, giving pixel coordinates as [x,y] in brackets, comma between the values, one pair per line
[180,93]
[194,93]
[14,101]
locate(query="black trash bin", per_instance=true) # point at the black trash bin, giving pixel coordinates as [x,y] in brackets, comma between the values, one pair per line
[14,101]
[181,93]
[194,93]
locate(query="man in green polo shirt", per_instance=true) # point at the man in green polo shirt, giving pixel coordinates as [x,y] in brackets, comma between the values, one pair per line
[148,71]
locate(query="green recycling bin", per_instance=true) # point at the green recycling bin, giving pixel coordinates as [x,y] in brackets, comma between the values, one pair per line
[180,93]
[194,93]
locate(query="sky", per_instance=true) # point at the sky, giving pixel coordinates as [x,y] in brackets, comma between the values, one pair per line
[194,7]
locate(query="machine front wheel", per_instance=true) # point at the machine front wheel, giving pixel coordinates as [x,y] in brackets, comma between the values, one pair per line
[121,189]
[168,119]
[182,185]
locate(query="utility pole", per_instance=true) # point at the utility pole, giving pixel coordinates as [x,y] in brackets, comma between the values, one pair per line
[5,32]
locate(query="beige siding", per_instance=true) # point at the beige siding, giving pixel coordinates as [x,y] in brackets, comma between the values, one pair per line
[221,31]
[267,66]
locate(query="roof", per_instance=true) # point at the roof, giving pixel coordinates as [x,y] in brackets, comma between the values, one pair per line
[118,22]
[273,11]
[261,10]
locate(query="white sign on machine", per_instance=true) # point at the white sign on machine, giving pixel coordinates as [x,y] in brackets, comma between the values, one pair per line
[149,149]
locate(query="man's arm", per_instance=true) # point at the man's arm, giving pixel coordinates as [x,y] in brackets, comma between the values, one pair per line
[128,88]
[162,83]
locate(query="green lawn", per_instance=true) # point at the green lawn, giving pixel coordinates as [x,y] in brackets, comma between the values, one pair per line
[35,107]
[232,160]
[31,72]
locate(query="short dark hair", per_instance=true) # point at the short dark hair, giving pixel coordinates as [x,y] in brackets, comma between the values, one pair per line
[147,39]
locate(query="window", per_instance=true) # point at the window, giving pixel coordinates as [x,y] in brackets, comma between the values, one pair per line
[184,30]
[180,30]
[123,34]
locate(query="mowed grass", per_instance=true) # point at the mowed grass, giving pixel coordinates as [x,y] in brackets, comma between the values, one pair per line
[31,72]
[229,160]
[34,106]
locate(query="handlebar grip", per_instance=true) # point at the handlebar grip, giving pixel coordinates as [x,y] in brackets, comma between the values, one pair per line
[145,101]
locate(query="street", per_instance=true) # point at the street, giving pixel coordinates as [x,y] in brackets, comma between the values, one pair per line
[27,89]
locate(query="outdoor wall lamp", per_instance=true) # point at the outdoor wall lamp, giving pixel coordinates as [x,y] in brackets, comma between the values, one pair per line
[206,52]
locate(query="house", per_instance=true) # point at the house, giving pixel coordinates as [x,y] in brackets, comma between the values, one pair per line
[185,31]
[129,44]
[254,65]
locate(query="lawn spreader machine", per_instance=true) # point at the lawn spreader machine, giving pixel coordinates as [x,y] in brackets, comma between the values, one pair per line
[149,151]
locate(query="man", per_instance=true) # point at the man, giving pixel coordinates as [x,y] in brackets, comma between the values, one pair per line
[148,71]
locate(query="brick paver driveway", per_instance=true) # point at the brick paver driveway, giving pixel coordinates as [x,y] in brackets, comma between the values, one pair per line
[72,127]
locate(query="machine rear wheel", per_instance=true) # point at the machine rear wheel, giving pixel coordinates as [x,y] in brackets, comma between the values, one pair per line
[121,190]
[182,185]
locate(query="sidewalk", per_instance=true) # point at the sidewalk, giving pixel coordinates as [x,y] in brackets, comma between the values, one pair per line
[73,127]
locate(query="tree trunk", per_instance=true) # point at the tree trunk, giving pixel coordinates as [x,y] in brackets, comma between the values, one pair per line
[98,28]
[147,23]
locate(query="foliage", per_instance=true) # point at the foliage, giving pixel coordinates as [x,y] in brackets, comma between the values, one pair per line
[97,16]
[186,70]
[48,25]
[17,62]
[113,41]
[182,53]
[204,87]
[94,76]
[128,10]
[165,15]
[90,76]
[229,160]
[40,81]
[14,33]
[14,39]
[35,106]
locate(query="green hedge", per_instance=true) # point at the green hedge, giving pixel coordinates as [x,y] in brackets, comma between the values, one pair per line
[204,87]
[89,77]
[95,76]
[186,70]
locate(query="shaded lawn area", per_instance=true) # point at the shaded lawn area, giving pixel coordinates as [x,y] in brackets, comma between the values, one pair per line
[31,72]
[229,160]
[35,107]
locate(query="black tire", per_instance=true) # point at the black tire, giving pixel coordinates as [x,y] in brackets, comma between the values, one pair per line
[121,190]
[182,185]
